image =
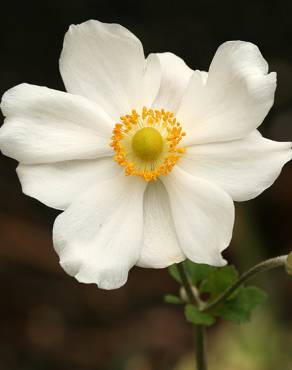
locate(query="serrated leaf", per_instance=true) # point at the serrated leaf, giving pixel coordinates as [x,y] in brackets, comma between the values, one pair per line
[173,299]
[198,271]
[219,280]
[196,317]
[239,308]
[173,271]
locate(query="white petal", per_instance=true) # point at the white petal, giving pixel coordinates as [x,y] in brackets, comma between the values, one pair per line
[175,78]
[105,63]
[98,238]
[203,215]
[45,125]
[243,168]
[160,246]
[204,76]
[234,101]
[150,83]
[58,184]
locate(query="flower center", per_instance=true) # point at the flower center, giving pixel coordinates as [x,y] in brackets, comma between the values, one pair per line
[147,144]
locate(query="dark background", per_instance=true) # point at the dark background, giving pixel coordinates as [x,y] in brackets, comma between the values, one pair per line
[47,319]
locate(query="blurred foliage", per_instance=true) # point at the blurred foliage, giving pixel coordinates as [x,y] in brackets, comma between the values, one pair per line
[258,345]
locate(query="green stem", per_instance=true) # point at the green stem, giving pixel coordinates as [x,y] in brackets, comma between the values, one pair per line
[200,347]
[186,283]
[200,330]
[261,267]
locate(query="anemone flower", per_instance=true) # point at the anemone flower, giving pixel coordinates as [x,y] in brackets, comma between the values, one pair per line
[144,156]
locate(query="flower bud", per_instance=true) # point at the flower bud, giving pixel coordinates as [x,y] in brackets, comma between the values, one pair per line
[288,264]
[183,293]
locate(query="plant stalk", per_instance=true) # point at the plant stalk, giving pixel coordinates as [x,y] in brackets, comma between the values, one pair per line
[200,343]
[200,352]
[260,267]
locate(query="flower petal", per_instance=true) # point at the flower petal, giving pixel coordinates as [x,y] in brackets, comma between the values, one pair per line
[203,215]
[174,81]
[105,63]
[150,83]
[243,168]
[45,125]
[58,184]
[98,238]
[235,99]
[160,246]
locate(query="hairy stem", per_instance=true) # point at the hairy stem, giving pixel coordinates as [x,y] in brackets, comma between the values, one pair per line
[261,267]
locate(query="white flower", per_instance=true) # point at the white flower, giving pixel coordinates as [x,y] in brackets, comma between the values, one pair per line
[75,149]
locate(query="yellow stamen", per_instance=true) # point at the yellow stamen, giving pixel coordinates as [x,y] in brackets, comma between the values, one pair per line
[146,145]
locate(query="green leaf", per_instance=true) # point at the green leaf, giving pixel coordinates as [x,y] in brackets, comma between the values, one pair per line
[219,280]
[239,308]
[173,271]
[197,317]
[197,271]
[173,299]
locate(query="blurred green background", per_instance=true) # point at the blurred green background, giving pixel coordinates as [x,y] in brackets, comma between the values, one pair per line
[48,320]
